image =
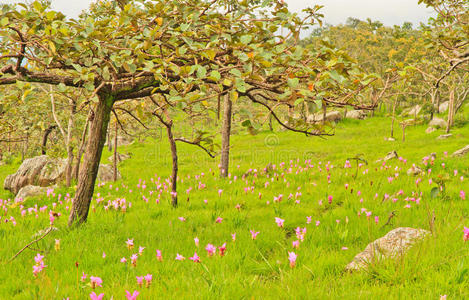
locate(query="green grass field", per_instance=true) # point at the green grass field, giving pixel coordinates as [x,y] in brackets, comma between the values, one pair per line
[257,269]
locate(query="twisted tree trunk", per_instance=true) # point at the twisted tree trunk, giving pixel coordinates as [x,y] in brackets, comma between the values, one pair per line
[94,148]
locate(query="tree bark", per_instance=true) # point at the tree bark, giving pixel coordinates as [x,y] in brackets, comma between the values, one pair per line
[45,138]
[94,148]
[450,111]
[115,153]
[69,166]
[81,149]
[174,170]
[225,136]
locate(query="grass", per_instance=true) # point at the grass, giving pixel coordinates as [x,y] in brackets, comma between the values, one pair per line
[256,268]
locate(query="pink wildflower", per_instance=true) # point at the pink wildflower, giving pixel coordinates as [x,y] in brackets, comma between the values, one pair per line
[210,249]
[96,281]
[254,234]
[195,258]
[93,296]
[279,222]
[292,258]
[158,255]
[132,296]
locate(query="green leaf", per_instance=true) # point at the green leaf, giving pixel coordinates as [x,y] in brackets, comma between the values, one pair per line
[293,82]
[236,72]
[215,75]
[61,87]
[246,39]
[201,72]
[184,27]
[4,21]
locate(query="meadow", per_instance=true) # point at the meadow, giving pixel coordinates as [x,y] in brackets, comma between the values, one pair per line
[285,193]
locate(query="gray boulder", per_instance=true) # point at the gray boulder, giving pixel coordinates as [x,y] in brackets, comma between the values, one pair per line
[443,107]
[461,152]
[106,173]
[437,123]
[414,170]
[356,114]
[392,245]
[120,157]
[122,140]
[415,110]
[39,171]
[444,136]
[31,191]
[332,116]
[430,130]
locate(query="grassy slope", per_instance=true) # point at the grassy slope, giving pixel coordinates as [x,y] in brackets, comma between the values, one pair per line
[258,268]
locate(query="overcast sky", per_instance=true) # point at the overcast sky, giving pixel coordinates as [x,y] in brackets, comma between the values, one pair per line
[393,12]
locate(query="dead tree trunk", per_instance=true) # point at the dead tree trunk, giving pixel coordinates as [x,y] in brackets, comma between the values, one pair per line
[94,148]
[225,136]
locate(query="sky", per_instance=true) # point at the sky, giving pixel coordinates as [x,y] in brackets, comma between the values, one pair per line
[394,12]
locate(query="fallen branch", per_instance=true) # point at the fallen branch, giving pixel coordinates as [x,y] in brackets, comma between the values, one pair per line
[49,230]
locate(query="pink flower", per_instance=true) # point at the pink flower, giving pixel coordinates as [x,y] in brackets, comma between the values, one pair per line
[93,296]
[38,258]
[318,222]
[466,234]
[182,219]
[254,234]
[222,249]
[132,296]
[140,281]
[196,241]
[329,199]
[148,278]
[83,277]
[133,259]
[292,258]
[233,236]
[219,220]
[279,222]
[210,249]
[96,281]
[104,255]
[123,260]
[462,195]
[180,257]
[158,255]
[296,244]
[376,219]
[344,248]
[308,220]
[219,192]
[130,244]
[195,258]
[140,250]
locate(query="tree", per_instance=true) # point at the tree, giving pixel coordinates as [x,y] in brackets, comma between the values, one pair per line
[186,50]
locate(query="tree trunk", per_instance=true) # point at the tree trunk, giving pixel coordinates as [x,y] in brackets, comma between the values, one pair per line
[174,171]
[225,136]
[81,149]
[68,167]
[450,110]
[115,154]
[94,148]
[393,118]
[218,108]
[109,145]
[45,137]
